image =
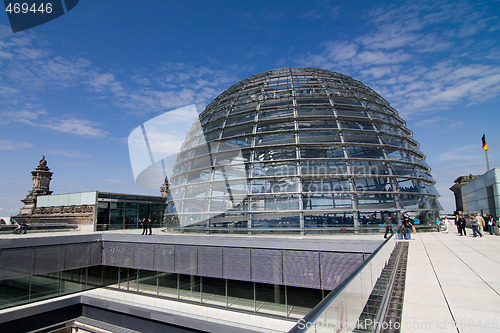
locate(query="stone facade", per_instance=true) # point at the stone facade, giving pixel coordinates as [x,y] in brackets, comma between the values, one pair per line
[81,215]
[457,190]
[31,214]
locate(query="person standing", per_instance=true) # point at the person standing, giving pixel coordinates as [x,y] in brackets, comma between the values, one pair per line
[437,223]
[491,224]
[144,226]
[475,226]
[150,226]
[482,224]
[400,230]
[461,225]
[388,226]
[446,224]
[407,227]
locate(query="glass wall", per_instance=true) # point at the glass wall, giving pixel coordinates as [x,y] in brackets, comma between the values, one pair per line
[32,288]
[262,298]
[68,199]
[120,211]
[114,211]
[482,195]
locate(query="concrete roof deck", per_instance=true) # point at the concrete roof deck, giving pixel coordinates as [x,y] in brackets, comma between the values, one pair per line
[452,283]
[348,242]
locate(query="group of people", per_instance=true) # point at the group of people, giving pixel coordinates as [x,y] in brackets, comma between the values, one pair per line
[478,224]
[146,225]
[404,229]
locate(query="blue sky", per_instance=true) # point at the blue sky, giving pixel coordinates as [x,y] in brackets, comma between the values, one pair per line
[74,88]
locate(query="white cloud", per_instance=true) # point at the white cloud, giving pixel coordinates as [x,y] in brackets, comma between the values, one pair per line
[14,145]
[465,156]
[115,181]
[69,153]
[390,36]
[104,82]
[29,115]
[422,56]
[36,117]
[378,72]
[434,121]
[174,85]
[381,58]
[169,86]
[76,126]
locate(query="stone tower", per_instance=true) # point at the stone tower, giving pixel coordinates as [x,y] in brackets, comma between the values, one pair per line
[41,182]
[165,189]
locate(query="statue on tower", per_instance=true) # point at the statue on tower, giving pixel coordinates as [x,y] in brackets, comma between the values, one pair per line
[41,182]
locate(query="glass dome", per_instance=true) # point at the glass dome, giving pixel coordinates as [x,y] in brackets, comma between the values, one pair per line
[300,148]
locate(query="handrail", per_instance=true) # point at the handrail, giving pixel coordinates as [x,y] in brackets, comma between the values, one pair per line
[327,301]
[385,301]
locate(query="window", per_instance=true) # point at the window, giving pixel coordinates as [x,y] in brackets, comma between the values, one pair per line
[313,124]
[321,152]
[365,152]
[319,136]
[275,126]
[327,201]
[282,137]
[356,124]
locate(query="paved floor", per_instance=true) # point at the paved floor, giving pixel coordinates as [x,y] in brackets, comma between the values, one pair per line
[452,283]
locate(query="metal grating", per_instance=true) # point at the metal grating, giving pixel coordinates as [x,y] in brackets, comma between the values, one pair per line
[301,269]
[394,310]
[186,259]
[145,256]
[77,255]
[335,267]
[210,261]
[118,254]
[96,254]
[16,262]
[267,266]
[48,259]
[164,258]
[237,264]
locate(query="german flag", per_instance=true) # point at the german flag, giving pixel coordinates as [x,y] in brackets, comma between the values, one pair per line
[485,146]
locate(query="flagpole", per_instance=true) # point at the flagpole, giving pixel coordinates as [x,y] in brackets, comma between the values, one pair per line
[485,147]
[487,162]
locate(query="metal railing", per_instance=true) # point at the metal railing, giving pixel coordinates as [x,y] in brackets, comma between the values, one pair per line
[341,309]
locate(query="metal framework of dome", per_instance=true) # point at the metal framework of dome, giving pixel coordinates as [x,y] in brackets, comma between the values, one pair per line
[300,148]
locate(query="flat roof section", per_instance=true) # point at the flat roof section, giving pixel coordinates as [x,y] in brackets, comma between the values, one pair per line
[452,284]
[333,243]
